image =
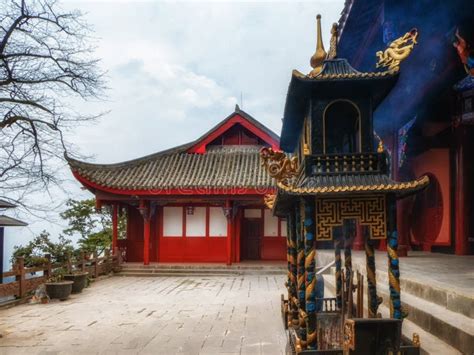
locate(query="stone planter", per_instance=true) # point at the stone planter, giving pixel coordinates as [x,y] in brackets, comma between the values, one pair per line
[79,281]
[59,290]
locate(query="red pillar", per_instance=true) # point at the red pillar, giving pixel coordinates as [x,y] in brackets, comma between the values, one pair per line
[114,227]
[238,226]
[230,225]
[146,240]
[461,246]
[144,209]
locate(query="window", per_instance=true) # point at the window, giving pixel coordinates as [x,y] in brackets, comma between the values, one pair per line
[172,221]
[196,223]
[270,228]
[341,128]
[217,222]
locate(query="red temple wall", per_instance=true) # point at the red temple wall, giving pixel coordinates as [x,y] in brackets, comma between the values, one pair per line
[432,224]
[196,249]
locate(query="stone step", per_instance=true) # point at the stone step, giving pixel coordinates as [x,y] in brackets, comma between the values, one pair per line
[451,301]
[183,271]
[196,272]
[216,266]
[430,345]
[451,328]
[442,296]
[168,274]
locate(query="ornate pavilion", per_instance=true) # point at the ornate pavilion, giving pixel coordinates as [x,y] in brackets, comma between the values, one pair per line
[332,174]
[198,202]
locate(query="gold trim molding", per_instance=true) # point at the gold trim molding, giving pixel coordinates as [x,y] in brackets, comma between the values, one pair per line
[396,186]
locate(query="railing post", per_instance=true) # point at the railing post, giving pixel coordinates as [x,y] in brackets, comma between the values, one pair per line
[96,265]
[20,276]
[48,272]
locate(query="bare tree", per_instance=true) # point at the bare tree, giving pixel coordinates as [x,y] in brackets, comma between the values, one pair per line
[46,61]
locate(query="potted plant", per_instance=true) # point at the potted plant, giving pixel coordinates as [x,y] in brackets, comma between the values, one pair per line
[79,280]
[57,287]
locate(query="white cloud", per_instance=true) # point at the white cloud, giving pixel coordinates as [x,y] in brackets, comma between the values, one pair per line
[178,68]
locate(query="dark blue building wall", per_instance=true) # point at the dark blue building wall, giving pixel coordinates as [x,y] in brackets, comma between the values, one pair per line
[432,68]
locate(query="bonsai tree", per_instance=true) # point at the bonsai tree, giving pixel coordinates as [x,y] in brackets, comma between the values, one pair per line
[35,250]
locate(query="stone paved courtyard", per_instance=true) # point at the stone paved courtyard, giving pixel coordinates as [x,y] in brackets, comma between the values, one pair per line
[165,315]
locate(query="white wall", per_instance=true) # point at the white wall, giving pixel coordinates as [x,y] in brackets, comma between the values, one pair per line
[172,221]
[196,223]
[217,222]
[270,227]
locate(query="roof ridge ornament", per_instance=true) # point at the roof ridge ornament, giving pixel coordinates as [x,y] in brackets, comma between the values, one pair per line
[397,51]
[333,43]
[278,165]
[320,54]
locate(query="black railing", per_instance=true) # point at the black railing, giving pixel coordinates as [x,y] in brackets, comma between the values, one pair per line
[340,164]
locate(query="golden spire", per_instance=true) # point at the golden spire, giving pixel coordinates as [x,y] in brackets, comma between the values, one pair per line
[333,44]
[320,55]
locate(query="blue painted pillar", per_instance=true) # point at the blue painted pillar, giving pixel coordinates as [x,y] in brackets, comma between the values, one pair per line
[393,264]
[310,268]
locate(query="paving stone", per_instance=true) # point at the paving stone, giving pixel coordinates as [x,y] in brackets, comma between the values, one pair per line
[170,315]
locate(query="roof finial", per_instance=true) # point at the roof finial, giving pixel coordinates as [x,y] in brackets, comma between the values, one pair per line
[320,55]
[333,44]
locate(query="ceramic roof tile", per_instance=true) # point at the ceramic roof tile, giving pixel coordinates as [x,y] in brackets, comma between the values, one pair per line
[225,167]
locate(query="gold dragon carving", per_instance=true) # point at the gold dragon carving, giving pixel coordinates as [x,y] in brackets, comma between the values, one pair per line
[397,51]
[278,165]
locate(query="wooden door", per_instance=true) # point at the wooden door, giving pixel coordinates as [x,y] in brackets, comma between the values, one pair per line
[251,239]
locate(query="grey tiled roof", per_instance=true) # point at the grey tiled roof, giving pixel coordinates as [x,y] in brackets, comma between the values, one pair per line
[6,204]
[337,66]
[6,221]
[220,167]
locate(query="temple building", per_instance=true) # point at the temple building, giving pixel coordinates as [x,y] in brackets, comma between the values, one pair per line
[199,202]
[426,122]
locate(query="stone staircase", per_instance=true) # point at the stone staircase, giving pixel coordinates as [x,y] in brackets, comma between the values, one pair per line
[442,318]
[202,270]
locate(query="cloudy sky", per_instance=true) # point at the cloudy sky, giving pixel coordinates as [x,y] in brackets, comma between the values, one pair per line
[175,69]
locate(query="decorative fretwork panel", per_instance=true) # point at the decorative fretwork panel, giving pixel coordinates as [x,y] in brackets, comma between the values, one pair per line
[368,210]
